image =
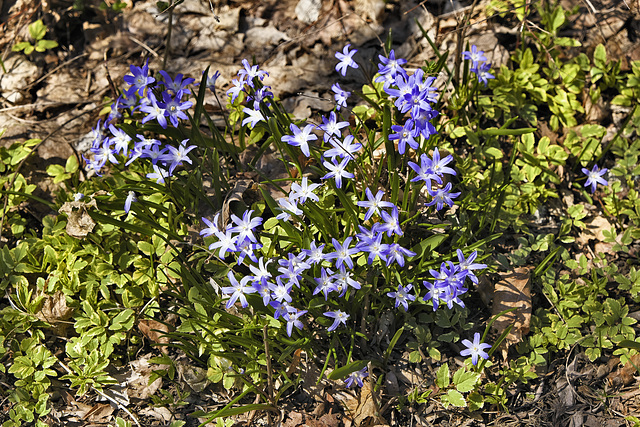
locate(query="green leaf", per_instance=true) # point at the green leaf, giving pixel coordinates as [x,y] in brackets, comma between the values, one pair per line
[347,369]
[455,398]
[442,376]
[37,30]
[465,381]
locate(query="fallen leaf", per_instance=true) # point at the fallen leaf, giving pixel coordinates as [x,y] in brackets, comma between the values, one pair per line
[79,223]
[595,230]
[363,410]
[55,311]
[513,291]
[625,375]
[100,412]
[155,332]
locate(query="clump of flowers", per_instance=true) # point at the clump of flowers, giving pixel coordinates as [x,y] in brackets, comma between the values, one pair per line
[478,65]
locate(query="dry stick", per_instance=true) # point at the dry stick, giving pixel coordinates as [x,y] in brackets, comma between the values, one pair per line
[15,174]
[167,48]
[461,31]
[144,46]
[56,69]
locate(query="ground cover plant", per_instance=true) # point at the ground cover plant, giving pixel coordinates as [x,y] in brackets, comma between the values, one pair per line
[374,247]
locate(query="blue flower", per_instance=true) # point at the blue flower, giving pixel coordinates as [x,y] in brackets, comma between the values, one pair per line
[249,72]
[154,111]
[405,135]
[340,96]
[391,222]
[344,148]
[226,242]
[131,197]
[475,349]
[244,227]
[292,317]
[343,253]
[483,73]
[303,191]
[237,290]
[397,253]
[159,174]
[339,317]
[373,204]
[475,56]
[331,126]
[139,80]
[594,177]
[356,376]
[346,60]
[173,108]
[391,65]
[212,227]
[337,170]
[325,283]
[178,155]
[442,196]
[402,296]
[300,138]
[177,85]
[468,265]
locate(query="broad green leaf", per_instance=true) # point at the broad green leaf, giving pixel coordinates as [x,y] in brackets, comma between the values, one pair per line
[442,376]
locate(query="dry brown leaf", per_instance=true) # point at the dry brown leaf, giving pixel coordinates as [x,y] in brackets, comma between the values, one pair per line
[625,375]
[79,223]
[100,412]
[155,332]
[594,230]
[138,381]
[513,290]
[363,410]
[55,311]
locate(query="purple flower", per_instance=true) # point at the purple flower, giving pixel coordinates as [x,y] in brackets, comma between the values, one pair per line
[158,174]
[244,227]
[249,72]
[442,196]
[340,96]
[374,204]
[325,283]
[391,222]
[237,290]
[212,227]
[343,253]
[594,177]
[292,319]
[332,127]
[397,253]
[483,73]
[402,296]
[179,155]
[344,148]
[337,170]
[405,135]
[211,81]
[226,242]
[374,247]
[475,349]
[303,191]
[173,108]
[234,92]
[391,65]
[177,85]
[120,140]
[139,80]
[300,138]
[346,60]
[356,376]
[339,317]
[154,111]
[475,56]
[468,265]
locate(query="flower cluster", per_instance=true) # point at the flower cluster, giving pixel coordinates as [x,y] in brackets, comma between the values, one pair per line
[478,65]
[448,285]
[145,99]
[413,94]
